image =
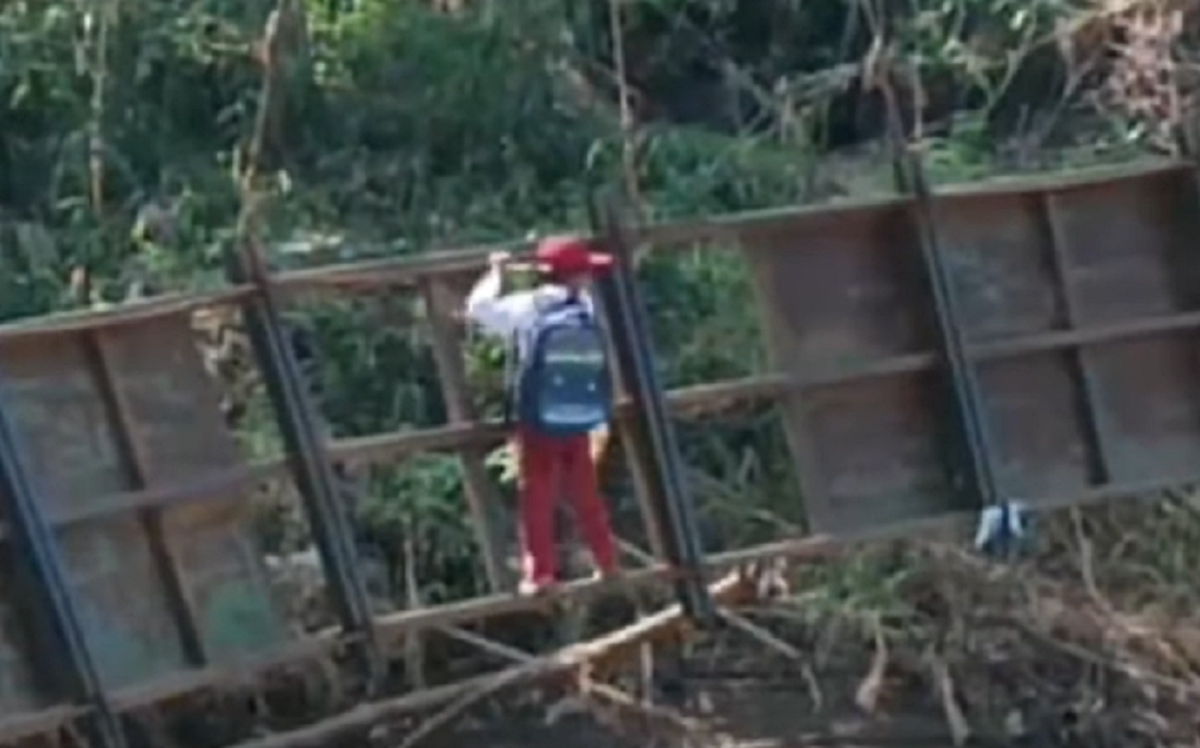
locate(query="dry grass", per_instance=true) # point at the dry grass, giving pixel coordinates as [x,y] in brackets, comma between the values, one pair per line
[1094,642]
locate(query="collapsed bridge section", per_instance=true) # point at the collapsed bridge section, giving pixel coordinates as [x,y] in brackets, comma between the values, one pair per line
[1075,303]
[1070,304]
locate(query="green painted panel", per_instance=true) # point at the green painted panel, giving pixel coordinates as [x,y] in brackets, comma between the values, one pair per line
[224,577]
[123,607]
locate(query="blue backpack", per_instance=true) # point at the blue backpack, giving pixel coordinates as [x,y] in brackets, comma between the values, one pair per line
[562,385]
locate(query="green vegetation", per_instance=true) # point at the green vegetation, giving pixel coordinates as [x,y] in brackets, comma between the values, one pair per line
[413,124]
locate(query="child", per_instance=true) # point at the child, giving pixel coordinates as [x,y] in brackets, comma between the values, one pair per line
[561,391]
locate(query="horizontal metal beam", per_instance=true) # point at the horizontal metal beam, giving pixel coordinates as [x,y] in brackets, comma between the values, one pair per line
[218,486]
[18,727]
[1040,342]
[372,276]
[689,401]
[245,669]
[121,314]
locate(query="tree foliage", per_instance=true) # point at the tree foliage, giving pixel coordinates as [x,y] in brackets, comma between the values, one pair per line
[411,123]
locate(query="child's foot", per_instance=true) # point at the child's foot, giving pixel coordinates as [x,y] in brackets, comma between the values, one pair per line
[606,573]
[534,587]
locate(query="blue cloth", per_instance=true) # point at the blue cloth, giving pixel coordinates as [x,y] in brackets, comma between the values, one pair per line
[1003,529]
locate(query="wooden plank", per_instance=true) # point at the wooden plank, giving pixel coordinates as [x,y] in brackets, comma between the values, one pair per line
[42,722]
[223,675]
[683,402]
[483,499]
[603,651]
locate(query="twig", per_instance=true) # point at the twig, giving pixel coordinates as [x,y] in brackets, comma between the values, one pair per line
[414,641]
[107,12]
[774,643]
[1112,664]
[629,164]
[646,660]
[867,695]
[1086,558]
[613,696]
[955,719]
[252,201]
[566,660]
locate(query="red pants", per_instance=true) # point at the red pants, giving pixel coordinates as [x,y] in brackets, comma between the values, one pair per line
[549,464]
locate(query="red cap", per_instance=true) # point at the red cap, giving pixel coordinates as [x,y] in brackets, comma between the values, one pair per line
[569,255]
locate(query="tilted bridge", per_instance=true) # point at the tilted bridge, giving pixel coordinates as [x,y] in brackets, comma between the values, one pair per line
[930,354]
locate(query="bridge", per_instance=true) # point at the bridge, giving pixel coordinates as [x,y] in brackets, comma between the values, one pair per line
[931,354]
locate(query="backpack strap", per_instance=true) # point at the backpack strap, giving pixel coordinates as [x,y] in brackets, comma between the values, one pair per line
[510,379]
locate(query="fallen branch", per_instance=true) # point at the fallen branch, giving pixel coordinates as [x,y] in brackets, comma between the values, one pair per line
[465,694]
[651,717]
[570,658]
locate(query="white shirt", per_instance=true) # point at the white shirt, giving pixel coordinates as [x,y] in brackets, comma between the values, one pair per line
[513,314]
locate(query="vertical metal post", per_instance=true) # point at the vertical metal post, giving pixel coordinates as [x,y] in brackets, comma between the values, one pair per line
[309,462]
[669,494]
[38,554]
[483,498]
[1082,367]
[909,176]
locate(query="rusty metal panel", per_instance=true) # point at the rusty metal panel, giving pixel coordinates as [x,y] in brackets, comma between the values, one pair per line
[122,604]
[1129,254]
[845,303]
[224,576]
[1042,270]
[174,417]
[1032,409]
[61,418]
[1072,303]
[1131,246]
[71,428]
[173,402]
[1149,396]
[995,249]
[18,688]
[1000,259]
[878,451]
[843,288]
[60,415]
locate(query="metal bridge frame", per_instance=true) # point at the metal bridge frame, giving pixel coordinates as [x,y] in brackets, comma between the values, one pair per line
[1055,311]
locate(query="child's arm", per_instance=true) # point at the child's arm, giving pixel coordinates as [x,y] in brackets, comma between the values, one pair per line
[499,314]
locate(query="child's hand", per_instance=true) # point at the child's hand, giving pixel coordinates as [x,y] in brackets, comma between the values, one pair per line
[499,259]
